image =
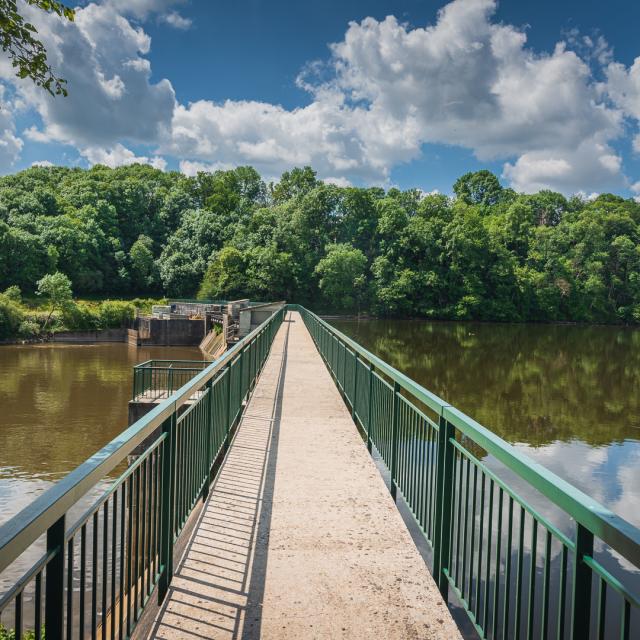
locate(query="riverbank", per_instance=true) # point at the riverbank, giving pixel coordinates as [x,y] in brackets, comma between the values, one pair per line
[550,323]
[74,337]
[34,320]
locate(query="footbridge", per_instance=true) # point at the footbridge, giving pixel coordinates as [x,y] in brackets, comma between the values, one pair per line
[300,487]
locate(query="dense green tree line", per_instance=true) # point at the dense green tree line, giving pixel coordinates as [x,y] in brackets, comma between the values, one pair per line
[487,253]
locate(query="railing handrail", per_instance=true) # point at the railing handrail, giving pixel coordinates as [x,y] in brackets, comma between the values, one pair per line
[24,528]
[611,528]
[151,363]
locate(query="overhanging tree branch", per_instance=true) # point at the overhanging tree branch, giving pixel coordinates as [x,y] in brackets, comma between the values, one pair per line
[27,54]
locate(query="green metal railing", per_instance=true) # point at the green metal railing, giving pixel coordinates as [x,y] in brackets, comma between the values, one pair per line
[156,379]
[515,573]
[97,576]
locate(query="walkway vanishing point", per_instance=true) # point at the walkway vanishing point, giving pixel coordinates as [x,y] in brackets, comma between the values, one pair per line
[300,537]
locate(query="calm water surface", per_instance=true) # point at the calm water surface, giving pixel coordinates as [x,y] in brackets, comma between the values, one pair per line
[567,396]
[59,404]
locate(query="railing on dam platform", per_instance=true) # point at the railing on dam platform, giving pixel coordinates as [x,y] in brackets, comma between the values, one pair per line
[155,379]
[516,573]
[95,577]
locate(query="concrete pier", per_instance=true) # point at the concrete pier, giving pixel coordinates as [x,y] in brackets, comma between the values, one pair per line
[299,537]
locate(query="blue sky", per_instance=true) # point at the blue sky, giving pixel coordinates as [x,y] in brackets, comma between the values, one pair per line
[394,93]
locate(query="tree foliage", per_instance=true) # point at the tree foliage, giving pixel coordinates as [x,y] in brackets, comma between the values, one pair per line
[56,289]
[342,274]
[27,54]
[488,253]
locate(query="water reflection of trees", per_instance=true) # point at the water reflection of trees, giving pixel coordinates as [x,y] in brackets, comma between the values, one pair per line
[528,383]
[61,403]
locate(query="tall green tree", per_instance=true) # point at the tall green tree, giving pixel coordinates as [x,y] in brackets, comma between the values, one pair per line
[56,288]
[342,276]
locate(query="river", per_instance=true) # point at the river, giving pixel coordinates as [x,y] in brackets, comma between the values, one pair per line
[60,403]
[567,396]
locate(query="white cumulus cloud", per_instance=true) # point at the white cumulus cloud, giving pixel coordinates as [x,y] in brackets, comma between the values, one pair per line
[111,96]
[386,91]
[465,80]
[119,155]
[175,20]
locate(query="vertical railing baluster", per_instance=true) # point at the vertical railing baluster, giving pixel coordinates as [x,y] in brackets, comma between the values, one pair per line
[83,578]
[480,547]
[394,438]
[507,573]
[459,515]
[17,619]
[546,582]
[532,578]
[519,575]
[463,576]
[355,386]
[94,576]
[105,557]
[625,620]
[114,554]
[38,608]
[562,595]
[129,581]
[70,544]
[602,609]
[54,581]
[487,577]
[581,589]
[167,506]
[136,557]
[370,407]
[496,586]
[227,407]
[209,435]
[442,527]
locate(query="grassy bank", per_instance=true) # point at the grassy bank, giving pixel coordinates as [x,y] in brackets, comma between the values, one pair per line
[34,318]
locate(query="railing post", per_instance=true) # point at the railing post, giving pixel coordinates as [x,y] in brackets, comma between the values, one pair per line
[444,483]
[170,382]
[344,370]
[370,407]
[581,600]
[394,439]
[251,353]
[209,387]
[333,357]
[355,387]
[54,581]
[241,365]
[227,408]
[167,506]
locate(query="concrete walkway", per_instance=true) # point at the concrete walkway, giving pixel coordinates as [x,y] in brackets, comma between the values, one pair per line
[300,537]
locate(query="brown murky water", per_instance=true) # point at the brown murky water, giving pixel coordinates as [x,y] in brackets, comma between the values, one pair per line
[59,404]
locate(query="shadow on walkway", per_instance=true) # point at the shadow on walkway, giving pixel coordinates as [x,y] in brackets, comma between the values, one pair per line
[218,588]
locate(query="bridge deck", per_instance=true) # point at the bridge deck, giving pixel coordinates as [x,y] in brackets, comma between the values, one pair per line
[300,537]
